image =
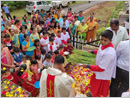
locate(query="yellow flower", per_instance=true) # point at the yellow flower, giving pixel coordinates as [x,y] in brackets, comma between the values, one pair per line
[4,68]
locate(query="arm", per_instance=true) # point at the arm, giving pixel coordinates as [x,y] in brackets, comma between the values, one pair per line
[23,48]
[93,51]
[10,66]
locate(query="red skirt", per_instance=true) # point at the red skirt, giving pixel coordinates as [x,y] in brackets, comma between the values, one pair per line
[99,87]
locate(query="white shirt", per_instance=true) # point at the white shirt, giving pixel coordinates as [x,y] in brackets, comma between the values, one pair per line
[77,23]
[126,24]
[49,64]
[43,42]
[62,85]
[122,52]
[106,59]
[65,37]
[120,36]
[58,40]
[54,47]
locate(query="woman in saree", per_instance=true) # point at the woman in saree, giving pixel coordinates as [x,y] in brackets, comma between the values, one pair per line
[14,38]
[17,26]
[92,28]
[6,57]
[26,44]
[82,28]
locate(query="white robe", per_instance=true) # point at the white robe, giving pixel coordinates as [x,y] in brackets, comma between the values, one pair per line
[62,85]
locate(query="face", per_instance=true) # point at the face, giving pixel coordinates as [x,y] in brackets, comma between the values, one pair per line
[7,38]
[4,18]
[9,23]
[114,27]
[18,23]
[26,20]
[48,60]
[104,41]
[80,13]
[23,29]
[64,31]
[12,32]
[2,34]
[69,44]
[27,38]
[57,24]
[34,30]
[45,35]
[38,43]
[58,34]
[24,59]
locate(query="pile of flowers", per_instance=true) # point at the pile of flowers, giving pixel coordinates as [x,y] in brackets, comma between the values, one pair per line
[10,89]
[81,76]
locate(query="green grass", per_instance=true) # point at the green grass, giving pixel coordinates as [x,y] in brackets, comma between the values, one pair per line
[82,57]
[19,13]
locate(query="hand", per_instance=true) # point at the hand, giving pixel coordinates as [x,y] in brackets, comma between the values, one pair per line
[12,66]
[84,65]
[16,68]
[89,51]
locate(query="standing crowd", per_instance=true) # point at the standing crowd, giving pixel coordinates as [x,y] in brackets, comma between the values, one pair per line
[33,49]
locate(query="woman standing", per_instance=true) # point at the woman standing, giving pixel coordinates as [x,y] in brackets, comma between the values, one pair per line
[56,27]
[17,26]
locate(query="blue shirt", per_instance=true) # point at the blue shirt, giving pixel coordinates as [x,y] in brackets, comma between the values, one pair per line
[18,58]
[3,22]
[66,24]
[6,9]
[2,28]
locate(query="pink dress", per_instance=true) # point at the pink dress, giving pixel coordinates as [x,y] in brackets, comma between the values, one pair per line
[40,65]
[3,59]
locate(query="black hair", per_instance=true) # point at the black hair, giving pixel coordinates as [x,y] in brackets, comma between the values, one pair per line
[47,56]
[25,20]
[69,41]
[22,68]
[52,35]
[22,27]
[69,8]
[34,61]
[50,14]
[16,49]
[52,20]
[43,51]
[58,31]
[107,34]
[25,35]
[32,29]
[43,29]
[63,28]
[114,21]
[6,35]
[14,17]
[25,26]
[35,41]
[51,39]
[50,52]
[4,70]
[75,16]
[61,46]
[33,19]
[38,57]
[17,21]
[80,11]
[56,52]
[44,32]
[41,22]
[55,25]
[59,59]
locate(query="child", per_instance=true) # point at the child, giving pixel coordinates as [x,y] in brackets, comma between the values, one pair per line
[7,75]
[44,41]
[39,61]
[53,36]
[105,67]
[56,52]
[43,52]
[34,70]
[64,36]
[47,61]
[52,46]
[17,56]
[61,50]
[28,81]
[37,45]
[8,42]
[68,47]
[58,38]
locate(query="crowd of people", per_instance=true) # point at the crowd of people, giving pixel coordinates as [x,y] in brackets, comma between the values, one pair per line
[33,49]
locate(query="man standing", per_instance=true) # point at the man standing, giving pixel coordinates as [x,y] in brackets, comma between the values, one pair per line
[6,10]
[55,83]
[119,32]
[121,83]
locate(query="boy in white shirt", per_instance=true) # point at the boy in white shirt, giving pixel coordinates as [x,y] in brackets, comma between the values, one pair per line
[58,38]
[52,46]
[64,36]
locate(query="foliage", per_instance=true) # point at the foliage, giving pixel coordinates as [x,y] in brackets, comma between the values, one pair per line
[83,57]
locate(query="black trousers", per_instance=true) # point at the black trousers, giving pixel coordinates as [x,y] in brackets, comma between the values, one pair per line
[120,84]
[8,16]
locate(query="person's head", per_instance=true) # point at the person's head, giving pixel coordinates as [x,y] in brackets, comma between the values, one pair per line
[41,22]
[106,37]
[36,42]
[61,47]
[72,22]
[51,40]
[42,11]
[11,31]
[92,14]
[5,26]
[59,61]
[21,70]
[26,37]
[45,34]
[33,62]
[50,52]
[59,33]
[69,42]
[22,29]
[50,27]
[53,20]
[15,17]
[17,22]
[50,15]
[16,50]
[48,57]
[38,57]
[57,25]
[56,52]
[83,22]
[24,58]
[4,18]
[32,25]
[9,23]
[2,34]
[64,17]
[43,51]
[4,5]
[53,35]
[80,12]
[26,20]
[63,29]
[91,18]
[114,24]
[33,30]
[33,12]
[44,18]
[69,10]
[7,37]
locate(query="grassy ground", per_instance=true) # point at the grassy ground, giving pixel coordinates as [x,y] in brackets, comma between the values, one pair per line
[83,57]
